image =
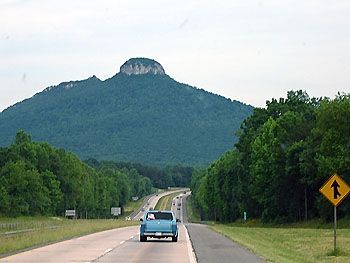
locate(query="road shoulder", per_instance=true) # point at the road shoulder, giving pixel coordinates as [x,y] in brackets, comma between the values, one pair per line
[210,246]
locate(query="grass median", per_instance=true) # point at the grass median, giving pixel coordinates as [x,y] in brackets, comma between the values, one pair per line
[310,242]
[17,234]
[132,206]
[165,202]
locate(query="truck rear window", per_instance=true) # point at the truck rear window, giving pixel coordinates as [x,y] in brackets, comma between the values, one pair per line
[159,215]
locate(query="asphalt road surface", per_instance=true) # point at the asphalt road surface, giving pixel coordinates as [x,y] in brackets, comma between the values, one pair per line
[210,246]
[123,245]
[154,250]
[151,202]
[117,245]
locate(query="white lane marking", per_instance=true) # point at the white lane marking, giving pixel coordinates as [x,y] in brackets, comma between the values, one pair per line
[108,250]
[190,249]
[122,242]
[132,237]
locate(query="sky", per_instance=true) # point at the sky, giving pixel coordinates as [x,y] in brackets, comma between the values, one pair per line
[245,50]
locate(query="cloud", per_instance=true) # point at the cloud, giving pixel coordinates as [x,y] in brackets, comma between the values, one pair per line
[248,50]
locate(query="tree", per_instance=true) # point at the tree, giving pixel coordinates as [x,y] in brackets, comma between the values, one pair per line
[4,200]
[26,192]
[333,154]
[267,170]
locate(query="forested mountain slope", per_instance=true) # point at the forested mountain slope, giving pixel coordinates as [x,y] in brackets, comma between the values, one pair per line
[140,114]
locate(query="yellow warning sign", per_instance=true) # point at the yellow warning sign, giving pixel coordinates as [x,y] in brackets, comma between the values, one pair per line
[335,189]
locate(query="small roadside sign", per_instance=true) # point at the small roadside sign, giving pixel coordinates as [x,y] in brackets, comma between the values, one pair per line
[335,189]
[115,211]
[70,213]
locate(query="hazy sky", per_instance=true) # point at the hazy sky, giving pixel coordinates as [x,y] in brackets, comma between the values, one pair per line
[246,50]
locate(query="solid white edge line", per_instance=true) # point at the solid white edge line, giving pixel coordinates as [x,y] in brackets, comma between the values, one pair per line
[190,249]
[132,237]
[122,242]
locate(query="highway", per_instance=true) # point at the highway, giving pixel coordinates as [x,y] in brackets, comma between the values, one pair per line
[117,245]
[151,202]
[210,246]
[197,243]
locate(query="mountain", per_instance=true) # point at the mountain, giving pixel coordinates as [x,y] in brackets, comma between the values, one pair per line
[140,115]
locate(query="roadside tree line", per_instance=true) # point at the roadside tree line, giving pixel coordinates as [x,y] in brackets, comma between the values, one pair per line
[284,154]
[161,177]
[38,179]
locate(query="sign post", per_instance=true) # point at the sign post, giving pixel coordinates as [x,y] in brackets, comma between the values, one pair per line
[335,229]
[335,189]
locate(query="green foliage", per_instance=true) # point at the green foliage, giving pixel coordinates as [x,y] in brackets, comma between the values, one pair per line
[37,179]
[159,177]
[148,118]
[284,154]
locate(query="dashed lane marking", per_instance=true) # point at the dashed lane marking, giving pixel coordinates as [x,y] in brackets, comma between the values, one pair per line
[108,250]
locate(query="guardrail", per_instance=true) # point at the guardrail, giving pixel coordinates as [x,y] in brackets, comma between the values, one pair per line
[17,228]
[9,226]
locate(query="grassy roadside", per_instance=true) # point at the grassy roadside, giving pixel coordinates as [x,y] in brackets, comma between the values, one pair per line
[21,233]
[192,212]
[165,202]
[290,244]
[132,206]
[35,231]
[310,241]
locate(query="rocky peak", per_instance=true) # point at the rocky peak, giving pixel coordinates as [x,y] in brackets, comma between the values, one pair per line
[138,66]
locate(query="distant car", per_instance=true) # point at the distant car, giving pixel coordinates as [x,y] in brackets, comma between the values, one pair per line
[159,224]
[178,208]
[178,204]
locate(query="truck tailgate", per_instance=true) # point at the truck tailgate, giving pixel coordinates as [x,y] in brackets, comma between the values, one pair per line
[158,226]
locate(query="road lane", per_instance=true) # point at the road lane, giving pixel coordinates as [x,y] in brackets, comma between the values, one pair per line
[81,249]
[154,250]
[152,202]
[177,206]
[117,245]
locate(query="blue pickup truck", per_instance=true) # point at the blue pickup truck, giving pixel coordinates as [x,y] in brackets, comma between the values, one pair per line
[158,224]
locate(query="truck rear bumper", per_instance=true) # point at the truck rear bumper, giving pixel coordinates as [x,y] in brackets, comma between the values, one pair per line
[159,234]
